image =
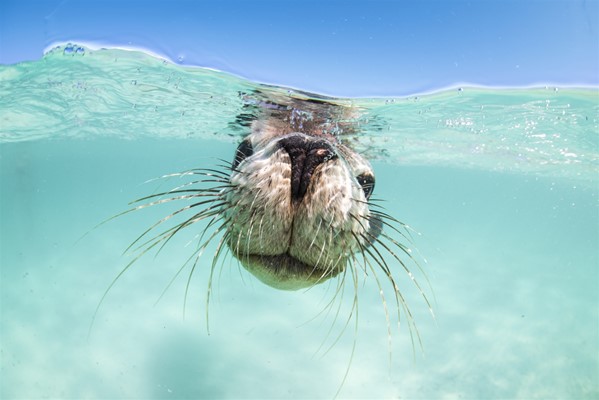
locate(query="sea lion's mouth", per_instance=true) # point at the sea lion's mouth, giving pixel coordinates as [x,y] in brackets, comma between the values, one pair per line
[283,271]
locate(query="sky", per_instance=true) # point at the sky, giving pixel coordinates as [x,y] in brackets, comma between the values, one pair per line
[342,48]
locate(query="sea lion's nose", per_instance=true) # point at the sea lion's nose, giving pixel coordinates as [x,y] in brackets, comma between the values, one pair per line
[306,154]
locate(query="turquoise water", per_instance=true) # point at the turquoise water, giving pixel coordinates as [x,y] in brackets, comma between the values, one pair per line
[501,184]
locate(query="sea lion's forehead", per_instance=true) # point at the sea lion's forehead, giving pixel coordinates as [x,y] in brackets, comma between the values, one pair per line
[307,113]
[265,132]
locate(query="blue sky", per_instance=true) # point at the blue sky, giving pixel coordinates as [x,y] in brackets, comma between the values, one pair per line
[345,48]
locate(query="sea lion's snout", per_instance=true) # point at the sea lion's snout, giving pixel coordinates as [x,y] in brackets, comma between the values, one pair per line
[297,206]
[306,154]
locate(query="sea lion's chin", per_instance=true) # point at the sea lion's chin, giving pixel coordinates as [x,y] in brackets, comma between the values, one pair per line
[284,271]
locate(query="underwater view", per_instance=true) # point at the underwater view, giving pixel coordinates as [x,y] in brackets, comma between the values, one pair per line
[498,189]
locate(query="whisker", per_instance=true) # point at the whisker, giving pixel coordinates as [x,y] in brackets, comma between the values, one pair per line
[409,254]
[197,254]
[404,249]
[206,212]
[384,218]
[215,191]
[216,172]
[116,278]
[214,220]
[382,295]
[209,290]
[340,290]
[223,176]
[353,312]
[399,299]
[356,319]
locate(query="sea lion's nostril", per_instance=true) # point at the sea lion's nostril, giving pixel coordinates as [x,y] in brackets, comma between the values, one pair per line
[306,154]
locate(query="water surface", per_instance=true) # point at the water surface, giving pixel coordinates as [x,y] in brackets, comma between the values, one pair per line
[502,185]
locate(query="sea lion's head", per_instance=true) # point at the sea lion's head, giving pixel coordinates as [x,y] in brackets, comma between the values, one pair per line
[293,206]
[297,210]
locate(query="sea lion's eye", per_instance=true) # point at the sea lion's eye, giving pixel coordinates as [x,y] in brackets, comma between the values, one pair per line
[366,180]
[243,151]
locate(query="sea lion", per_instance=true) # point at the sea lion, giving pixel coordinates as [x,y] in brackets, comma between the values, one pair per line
[294,206]
[297,206]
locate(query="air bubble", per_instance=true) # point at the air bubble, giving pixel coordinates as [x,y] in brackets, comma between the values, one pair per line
[73,49]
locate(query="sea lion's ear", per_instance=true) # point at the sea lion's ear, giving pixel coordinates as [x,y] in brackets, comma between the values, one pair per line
[244,150]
